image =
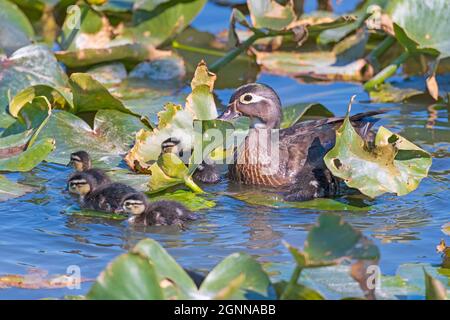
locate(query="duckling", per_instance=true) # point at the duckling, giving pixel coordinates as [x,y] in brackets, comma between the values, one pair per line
[159,213]
[206,173]
[297,169]
[100,197]
[81,162]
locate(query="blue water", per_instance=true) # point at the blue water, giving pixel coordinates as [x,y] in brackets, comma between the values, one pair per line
[36,234]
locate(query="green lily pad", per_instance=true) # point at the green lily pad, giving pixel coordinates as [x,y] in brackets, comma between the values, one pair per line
[30,158]
[129,277]
[422,26]
[191,200]
[154,24]
[434,289]
[167,269]
[388,93]
[270,14]
[318,65]
[15,29]
[11,190]
[393,165]
[254,283]
[31,65]
[331,241]
[77,212]
[303,111]
[298,292]
[112,134]
[274,200]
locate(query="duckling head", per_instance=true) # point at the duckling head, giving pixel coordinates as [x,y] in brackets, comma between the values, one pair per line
[172,145]
[80,161]
[81,184]
[257,101]
[135,204]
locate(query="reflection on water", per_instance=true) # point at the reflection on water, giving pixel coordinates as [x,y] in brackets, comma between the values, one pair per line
[36,233]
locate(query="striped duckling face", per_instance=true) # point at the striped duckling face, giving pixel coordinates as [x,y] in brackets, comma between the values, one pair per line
[80,161]
[257,101]
[135,204]
[79,185]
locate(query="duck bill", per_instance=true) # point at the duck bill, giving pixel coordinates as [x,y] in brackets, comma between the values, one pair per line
[230,113]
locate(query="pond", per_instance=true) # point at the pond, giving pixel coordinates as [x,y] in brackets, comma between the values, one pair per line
[35,233]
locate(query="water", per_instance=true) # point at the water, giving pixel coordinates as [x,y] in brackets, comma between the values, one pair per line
[35,234]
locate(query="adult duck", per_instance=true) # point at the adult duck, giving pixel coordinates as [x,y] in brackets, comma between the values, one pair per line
[291,159]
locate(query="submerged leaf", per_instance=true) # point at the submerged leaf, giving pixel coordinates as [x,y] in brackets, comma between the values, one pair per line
[297,292]
[10,190]
[393,165]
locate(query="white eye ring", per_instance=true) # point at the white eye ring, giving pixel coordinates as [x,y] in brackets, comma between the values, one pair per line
[254,98]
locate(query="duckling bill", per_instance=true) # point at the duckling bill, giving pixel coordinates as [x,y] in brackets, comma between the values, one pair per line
[300,173]
[158,213]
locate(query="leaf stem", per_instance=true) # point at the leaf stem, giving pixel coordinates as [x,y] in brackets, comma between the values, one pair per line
[387,72]
[233,53]
[380,49]
[292,282]
[192,185]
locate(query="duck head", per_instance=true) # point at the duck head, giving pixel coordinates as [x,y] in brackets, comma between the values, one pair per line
[81,184]
[135,204]
[257,101]
[80,161]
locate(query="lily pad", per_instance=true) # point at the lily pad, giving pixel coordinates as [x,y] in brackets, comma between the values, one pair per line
[303,111]
[393,165]
[270,14]
[297,292]
[11,190]
[274,200]
[31,65]
[110,138]
[30,158]
[191,200]
[254,282]
[15,29]
[167,269]
[154,24]
[129,277]
[434,289]
[318,65]
[388,93]
[422,25]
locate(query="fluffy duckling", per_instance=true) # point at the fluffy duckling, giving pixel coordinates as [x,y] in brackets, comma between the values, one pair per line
[206,173]
[81,162]
[100,197]
[298,170]
[158,213]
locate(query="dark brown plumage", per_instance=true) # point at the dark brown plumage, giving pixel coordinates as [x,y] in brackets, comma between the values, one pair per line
[104,197]
[299,170]
[158,213]
[81,162]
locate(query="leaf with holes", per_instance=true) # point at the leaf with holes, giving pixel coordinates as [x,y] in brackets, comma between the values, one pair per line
[392,165]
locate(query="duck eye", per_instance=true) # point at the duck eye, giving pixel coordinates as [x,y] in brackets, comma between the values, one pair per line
[247,97]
